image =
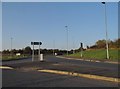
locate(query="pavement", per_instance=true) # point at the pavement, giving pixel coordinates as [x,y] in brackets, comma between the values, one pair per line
[91,60]
[27,73]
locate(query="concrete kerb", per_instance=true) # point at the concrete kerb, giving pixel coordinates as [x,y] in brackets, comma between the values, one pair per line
[88,60]
[111,79]
[117,80]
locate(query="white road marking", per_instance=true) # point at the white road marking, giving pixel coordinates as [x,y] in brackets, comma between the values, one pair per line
[5,67]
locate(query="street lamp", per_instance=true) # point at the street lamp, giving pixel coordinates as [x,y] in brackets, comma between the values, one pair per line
[11,46]
[53,47]
[73,47]
[67,38]
[107,51]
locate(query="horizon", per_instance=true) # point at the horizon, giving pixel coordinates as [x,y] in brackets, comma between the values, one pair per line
[55,48]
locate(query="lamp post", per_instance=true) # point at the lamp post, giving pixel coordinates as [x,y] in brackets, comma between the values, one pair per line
[73,45]
[11,46]
[39,51]
[67,38]
[107,49]
[53,47]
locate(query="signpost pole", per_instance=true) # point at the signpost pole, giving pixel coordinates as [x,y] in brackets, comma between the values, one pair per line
[81,52]
[36,43]
[39,51]
[33,53]
[81,49]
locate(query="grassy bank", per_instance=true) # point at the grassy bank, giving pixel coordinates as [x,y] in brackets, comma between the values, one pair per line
[98,54]
[14,57]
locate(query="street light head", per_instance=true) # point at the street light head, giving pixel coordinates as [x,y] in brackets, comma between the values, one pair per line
[103,2]
[66,26]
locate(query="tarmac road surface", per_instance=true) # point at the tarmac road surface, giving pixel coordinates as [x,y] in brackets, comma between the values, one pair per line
[25,74]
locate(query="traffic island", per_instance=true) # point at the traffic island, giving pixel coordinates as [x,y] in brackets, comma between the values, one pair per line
[117,80]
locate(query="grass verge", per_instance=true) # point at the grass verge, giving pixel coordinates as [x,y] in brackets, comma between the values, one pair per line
[9,58]
[99,54]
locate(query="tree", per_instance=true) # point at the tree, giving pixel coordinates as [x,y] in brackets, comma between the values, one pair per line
[6,52]
[117,42]
[14,51]
[101,43]
[20,51]
[27,50]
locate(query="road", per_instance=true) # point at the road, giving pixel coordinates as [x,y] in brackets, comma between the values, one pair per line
[16,61]
[105,69]
[79,62]
[25,73]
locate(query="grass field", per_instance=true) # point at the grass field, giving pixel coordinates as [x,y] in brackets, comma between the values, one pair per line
[98,54]
[14,57]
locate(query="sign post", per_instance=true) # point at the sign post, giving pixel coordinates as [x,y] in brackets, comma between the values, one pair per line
[40,43]
[39,52]
[33,53]
[81,49]
[36,43]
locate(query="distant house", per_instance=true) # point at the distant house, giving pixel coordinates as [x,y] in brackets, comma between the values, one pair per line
[55,54]
[18,54]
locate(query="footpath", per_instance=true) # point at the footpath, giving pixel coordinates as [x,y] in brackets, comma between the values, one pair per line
[91,60]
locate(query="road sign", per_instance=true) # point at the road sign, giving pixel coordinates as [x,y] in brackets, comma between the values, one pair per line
[103,2]
[81,48]
[36,43]
[81,45]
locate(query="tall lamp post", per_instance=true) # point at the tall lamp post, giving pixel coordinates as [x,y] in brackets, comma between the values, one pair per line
[53,47]
[107,51]
[73,45]
[67,38]
[11,46]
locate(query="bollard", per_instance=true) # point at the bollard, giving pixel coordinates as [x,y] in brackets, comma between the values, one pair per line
[41,57]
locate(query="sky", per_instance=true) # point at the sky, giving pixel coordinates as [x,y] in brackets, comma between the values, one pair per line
[0,26]
[46,21]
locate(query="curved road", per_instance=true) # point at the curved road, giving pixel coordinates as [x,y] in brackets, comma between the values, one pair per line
[26,76]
